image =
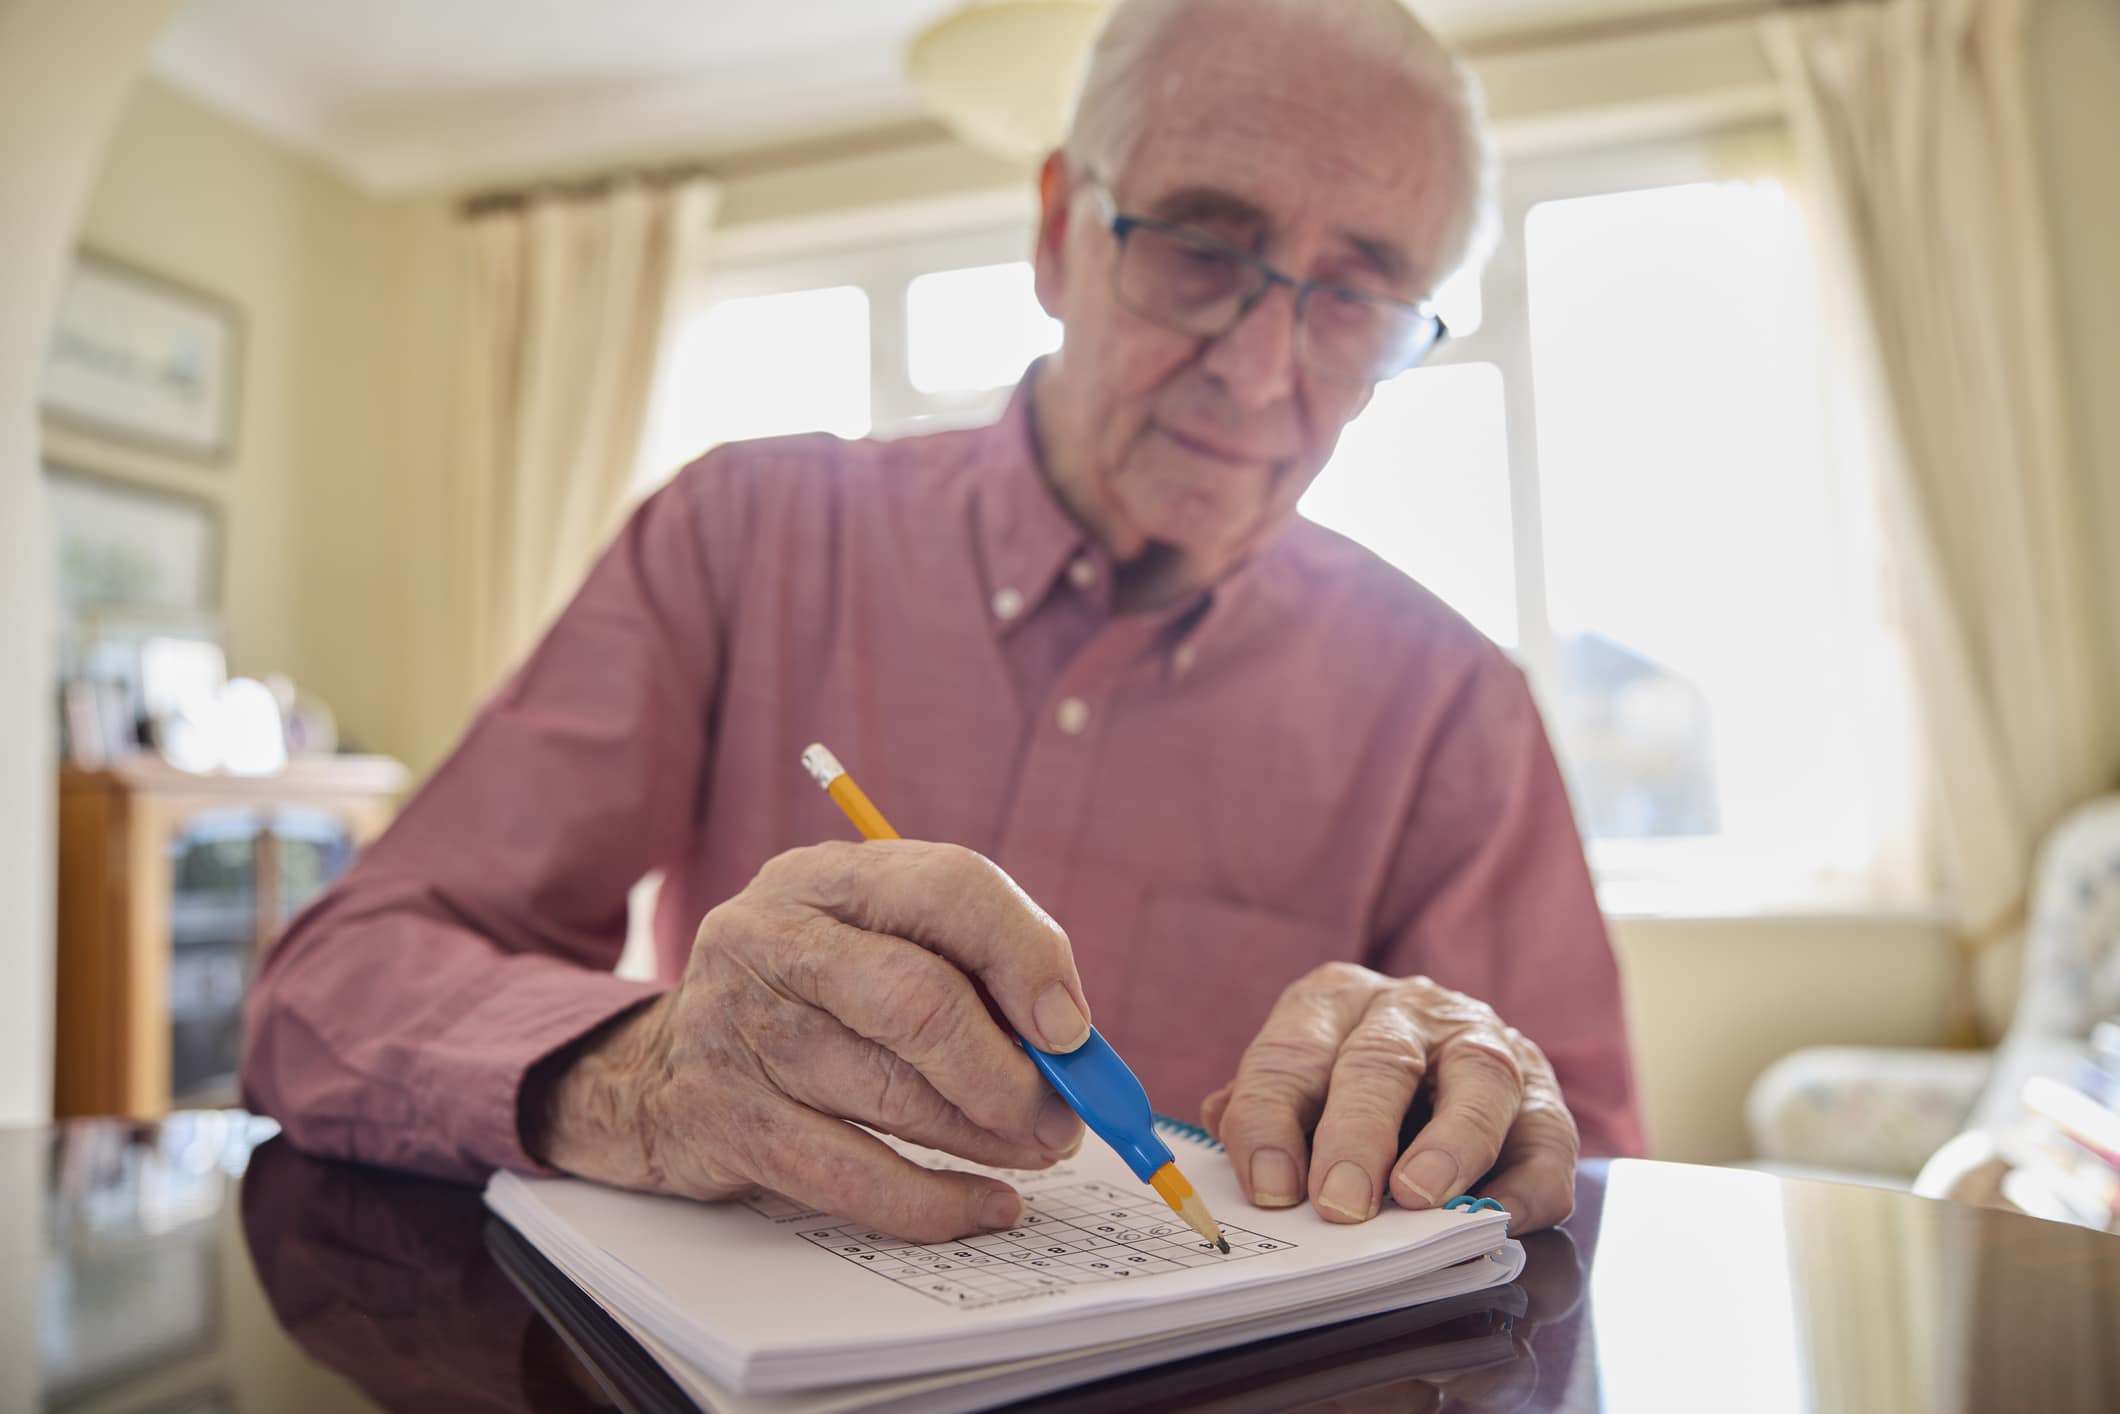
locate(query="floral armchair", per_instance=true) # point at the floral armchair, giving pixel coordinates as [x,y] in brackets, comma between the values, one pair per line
[1883,1112]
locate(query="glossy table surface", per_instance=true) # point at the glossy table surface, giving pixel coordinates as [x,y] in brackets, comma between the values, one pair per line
[201,1266]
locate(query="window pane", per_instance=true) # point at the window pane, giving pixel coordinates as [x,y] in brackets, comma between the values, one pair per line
[1422,479]
[1697,567]
[763,366]
[971,329]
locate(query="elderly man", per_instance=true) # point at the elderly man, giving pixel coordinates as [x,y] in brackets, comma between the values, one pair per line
[1293,831]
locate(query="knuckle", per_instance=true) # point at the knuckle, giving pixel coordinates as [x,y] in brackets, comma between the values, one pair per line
[827,872]
[720,930]
[1281,1061]
[1488,1127]
[1439,1004]
[1267,1105]
[926,1015]
[904,1099]
[1530,1058]
[1486,1054]
[963,872]
[1386,1047]
[1545,1122]
[1337,977]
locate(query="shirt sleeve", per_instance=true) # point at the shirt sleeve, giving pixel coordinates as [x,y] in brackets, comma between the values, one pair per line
[1491,896]
[395,1020]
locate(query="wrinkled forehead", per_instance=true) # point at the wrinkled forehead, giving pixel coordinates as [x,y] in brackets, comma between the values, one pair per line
[1319,139]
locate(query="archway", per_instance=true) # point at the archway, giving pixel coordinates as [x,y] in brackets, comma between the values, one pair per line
[65,70]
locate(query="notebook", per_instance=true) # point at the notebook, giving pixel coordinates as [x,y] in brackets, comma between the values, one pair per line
[762,1304]
[1447,1337]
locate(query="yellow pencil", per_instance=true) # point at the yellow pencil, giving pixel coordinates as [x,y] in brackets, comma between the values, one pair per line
[1092,1078]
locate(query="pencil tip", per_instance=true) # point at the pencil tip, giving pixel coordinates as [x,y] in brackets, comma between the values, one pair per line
[1223,1243]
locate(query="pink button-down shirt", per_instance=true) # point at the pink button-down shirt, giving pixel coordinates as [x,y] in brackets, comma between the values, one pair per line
[1316,760]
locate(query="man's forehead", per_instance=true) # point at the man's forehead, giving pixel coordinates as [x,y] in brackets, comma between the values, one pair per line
[1387,200]
[1307,135]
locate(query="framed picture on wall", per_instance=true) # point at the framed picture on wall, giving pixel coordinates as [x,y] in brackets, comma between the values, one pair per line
[138,358]
[118,545]
[133,567]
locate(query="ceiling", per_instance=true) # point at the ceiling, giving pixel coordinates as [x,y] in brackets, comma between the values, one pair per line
[413,95]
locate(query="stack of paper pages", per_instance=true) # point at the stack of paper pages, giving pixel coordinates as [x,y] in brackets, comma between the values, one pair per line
[763,1305]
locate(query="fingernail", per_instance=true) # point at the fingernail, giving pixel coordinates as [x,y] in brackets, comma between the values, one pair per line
[1274,1180]
[1348,1192]
[1058,1127]
[999,1210]
[1428,1177]
[1059,1020]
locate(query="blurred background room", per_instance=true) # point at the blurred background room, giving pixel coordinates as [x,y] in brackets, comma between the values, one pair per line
[1779,441]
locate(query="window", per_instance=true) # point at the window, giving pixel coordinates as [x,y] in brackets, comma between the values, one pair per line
[892,337]
[1628,478]
[971,330]
[1440,513]
[1620,468]
[762,366]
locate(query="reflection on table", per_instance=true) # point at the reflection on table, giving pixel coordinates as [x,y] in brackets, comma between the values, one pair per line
[201,1265]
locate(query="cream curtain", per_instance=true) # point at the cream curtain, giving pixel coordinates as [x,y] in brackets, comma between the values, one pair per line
[570,302]
[1912,121]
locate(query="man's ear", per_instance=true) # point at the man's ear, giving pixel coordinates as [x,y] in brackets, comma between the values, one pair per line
[1056,190]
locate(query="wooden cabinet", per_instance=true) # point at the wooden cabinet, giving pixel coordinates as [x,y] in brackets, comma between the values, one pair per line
[170,885]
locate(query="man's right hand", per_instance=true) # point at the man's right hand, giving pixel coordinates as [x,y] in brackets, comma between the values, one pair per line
[837,986]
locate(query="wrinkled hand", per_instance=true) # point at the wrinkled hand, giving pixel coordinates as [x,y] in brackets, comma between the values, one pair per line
[838,986]
[1345,1052]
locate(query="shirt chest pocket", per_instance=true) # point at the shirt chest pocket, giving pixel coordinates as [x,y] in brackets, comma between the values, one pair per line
[1205,973]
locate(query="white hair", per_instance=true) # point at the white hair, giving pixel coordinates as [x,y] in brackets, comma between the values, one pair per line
[1111,101]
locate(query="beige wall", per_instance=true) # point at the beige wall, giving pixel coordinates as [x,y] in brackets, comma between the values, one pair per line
[190,197]
[1714,1002]
[63,72]
[334,502]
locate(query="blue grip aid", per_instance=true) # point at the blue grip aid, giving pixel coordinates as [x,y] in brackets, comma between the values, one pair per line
[1098,1086]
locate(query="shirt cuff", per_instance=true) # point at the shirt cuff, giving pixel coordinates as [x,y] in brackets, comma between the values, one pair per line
[475,1071]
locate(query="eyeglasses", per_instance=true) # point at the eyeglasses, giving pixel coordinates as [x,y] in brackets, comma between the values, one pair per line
[1197,285]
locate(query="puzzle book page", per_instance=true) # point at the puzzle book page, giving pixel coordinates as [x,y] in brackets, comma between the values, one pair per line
[768,1274]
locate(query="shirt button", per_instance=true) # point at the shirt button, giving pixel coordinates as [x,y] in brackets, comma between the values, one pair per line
[1007,604]
[1073,715]
[1082,574]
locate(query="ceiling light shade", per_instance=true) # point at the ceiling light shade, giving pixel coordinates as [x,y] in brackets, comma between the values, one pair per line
[1002,73]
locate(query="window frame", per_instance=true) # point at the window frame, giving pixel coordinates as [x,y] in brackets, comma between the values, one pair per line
[1638,876]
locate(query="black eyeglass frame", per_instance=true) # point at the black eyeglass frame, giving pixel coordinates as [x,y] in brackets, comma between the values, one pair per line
[1122,225]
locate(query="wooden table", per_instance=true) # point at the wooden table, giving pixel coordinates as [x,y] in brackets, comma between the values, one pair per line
[200,1265]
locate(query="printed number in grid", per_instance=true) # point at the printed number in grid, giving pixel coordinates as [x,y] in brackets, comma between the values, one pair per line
[1073,1236]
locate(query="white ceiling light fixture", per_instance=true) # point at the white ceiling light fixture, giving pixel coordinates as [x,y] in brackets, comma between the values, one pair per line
[1002,73]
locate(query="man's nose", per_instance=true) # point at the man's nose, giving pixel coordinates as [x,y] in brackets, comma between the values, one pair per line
[1255,362]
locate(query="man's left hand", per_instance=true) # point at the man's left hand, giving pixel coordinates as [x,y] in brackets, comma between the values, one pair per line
[1321,1095]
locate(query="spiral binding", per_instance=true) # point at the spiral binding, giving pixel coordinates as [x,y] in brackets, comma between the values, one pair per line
[1466,1203]
[1192,1133]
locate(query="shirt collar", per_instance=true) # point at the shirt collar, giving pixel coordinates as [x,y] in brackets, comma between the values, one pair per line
[1026,537]
[1027,540]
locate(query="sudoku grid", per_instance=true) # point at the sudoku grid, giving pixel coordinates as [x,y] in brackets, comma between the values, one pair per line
[1070,1236]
